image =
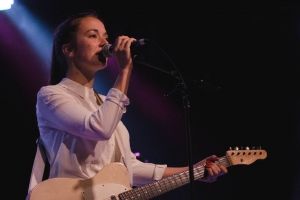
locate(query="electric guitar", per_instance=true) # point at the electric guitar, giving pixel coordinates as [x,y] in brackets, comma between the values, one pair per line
[112,181]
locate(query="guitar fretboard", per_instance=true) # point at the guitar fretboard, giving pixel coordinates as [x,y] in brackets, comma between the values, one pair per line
[167,184]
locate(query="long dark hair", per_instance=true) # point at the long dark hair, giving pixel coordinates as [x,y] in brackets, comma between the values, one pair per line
[65,33]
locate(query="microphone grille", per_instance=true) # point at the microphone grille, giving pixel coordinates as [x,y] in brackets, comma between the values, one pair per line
[106,50]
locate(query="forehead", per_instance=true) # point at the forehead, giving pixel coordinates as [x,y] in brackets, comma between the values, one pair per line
[88,23]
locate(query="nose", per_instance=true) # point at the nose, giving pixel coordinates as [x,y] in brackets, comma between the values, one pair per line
[103,42]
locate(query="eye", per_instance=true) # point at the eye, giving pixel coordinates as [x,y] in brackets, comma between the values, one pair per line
[93,36]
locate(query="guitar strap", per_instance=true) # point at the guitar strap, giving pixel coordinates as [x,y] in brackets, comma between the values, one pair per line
[38,168]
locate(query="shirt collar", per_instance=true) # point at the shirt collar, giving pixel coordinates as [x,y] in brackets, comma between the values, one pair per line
[83,91]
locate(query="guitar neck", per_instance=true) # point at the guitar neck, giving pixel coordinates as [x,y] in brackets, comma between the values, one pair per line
[167,184]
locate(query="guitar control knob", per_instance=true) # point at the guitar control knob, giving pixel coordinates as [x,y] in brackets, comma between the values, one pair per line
[113,197]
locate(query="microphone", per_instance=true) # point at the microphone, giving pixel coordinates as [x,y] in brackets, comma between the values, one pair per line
[107,49]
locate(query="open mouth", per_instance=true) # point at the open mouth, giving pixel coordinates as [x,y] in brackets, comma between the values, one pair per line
[101,57]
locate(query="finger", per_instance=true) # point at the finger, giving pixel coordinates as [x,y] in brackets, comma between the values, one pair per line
[128,43]
[223,169]
[209,171]
[215,169]
[212,158]
[123,42]
[119,43]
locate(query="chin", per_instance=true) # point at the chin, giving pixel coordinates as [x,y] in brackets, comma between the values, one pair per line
[101,66]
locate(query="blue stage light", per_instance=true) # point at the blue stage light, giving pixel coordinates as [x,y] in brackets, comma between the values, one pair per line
[6,4]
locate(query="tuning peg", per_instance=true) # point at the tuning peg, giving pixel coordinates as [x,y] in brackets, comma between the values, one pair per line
[247,148]
[230,148]
[236,148]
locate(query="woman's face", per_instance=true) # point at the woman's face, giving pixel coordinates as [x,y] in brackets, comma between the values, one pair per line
[89,40]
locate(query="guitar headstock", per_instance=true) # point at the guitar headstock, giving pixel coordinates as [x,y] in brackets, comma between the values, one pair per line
[245,156]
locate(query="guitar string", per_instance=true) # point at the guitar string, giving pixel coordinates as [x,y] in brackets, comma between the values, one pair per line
[168,183]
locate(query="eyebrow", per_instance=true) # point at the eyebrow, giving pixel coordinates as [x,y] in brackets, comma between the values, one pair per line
[96,30]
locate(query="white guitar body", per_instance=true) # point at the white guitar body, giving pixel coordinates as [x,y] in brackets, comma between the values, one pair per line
[107,184]
[112,182]
[104,191]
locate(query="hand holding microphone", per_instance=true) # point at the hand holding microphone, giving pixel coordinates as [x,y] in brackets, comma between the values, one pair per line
[122,51]
[108,49]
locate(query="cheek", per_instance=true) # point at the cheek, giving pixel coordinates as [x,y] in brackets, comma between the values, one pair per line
[85,50]
[85,46]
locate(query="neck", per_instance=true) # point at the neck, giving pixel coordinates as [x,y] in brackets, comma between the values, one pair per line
[84,82]
[79,77]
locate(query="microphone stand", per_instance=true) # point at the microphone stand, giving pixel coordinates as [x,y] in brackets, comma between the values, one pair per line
[183,89]
[187,107]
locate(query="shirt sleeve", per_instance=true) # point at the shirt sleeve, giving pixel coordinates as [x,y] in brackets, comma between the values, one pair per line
[59,110]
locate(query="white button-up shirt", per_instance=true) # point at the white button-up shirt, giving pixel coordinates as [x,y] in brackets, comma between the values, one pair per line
[80,137]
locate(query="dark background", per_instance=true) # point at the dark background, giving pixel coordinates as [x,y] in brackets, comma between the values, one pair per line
[245,52]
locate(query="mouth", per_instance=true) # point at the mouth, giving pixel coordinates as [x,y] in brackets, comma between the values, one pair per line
[101,57]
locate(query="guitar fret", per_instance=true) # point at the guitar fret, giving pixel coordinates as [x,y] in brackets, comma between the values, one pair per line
[178,180]
[153,190]
[171,183]
[124,195]
[150,191]
[199,172]
[181,178]
[158,187]
[154,187]
[186,177]
[141,193]
[146,191]
[163,185]
[224,161]
[136,194]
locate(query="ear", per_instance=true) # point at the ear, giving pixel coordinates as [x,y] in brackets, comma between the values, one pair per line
[68,50]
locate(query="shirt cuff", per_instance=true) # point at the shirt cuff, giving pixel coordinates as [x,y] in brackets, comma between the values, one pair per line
[118,97]
[159,172]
